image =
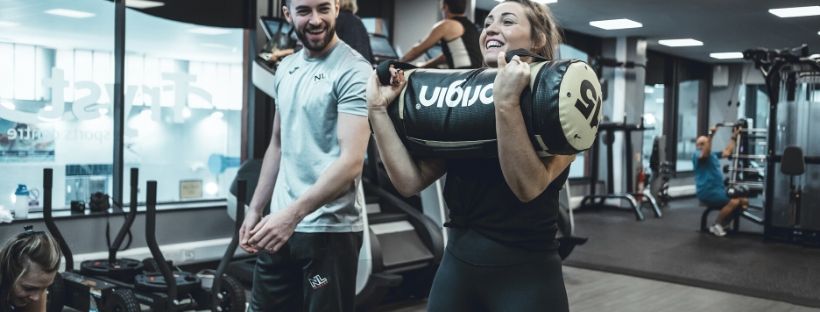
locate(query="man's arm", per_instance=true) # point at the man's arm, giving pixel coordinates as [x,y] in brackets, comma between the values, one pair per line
[353,132]
[730,148]
[276,229]
[264,188]
[432,38]
[707,147]
[434,63]
[269,170]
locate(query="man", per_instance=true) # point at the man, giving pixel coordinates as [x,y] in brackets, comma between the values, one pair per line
[709,179]
[457,35]
[308,245]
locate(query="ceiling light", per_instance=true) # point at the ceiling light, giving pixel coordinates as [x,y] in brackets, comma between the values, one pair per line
[688,42]
[217,115]
[143,4]
[208,31]
[796,12]
[8,24]
[538,1]
[69,13]
[621,23]
[186,112]
[726,55]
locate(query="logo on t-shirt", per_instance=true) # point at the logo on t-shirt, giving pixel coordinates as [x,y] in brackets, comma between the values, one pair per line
[290,72]
[317,281]
[319,77]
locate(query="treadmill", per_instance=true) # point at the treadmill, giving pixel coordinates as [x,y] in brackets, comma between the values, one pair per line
[280,36]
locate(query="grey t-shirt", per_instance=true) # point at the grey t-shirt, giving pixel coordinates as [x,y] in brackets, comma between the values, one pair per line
[310,93]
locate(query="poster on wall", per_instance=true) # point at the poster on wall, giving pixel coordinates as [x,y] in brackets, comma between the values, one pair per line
[21,142]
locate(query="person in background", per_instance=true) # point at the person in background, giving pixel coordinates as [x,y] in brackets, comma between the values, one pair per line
[28,265]
[351,30]
[709,179]
[457,36]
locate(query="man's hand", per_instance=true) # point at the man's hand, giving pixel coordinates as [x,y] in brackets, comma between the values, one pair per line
[251,219]
[273,231]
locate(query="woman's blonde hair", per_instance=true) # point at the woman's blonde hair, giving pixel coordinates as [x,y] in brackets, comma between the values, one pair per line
[542,23]
[20,252]
[349,5]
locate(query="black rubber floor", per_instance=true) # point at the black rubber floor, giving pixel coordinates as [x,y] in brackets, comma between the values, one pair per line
[672,249]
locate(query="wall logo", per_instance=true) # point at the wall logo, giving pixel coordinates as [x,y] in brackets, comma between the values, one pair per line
[454,95]
[86,106]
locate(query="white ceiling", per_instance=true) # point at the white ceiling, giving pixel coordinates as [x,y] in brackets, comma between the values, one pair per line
[722,25]
[144,33]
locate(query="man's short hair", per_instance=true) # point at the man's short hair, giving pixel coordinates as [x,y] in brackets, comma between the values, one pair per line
[455,6]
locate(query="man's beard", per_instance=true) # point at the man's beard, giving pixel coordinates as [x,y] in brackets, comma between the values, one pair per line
[331,30]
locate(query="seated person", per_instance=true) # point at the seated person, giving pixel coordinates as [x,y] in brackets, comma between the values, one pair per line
[28,265]
[456,34]
[709,179]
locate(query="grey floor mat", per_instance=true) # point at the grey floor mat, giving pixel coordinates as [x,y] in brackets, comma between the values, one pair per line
[672,249]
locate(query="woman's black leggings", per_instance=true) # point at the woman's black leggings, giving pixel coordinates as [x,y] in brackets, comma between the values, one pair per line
[536,285]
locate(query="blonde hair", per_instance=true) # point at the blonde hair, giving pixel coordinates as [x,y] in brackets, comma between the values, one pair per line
[18,255]
[542,23]
[349,5]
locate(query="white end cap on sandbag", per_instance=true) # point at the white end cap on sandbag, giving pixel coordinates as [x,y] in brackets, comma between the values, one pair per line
[579,106]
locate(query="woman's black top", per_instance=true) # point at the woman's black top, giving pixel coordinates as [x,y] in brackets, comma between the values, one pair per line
[490,225]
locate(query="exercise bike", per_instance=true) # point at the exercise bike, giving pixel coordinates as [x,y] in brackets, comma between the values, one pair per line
[74,289]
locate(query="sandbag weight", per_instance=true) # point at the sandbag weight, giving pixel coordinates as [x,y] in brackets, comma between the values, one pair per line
[561,109]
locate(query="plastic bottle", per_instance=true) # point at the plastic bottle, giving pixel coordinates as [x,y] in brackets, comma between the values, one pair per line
[21,202]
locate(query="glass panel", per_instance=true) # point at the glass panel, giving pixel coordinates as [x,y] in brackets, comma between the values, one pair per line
[54,98]
[183,101]
[652,118]
[687,123]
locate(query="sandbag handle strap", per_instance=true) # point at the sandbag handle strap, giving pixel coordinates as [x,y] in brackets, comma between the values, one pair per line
[524,52]
[383,70]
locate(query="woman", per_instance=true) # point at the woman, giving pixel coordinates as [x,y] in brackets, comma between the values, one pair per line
[28,265]
[501,254]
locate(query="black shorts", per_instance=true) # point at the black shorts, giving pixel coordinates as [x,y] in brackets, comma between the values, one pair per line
[312,272]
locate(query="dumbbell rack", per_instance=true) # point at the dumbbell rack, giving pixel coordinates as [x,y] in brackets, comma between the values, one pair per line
[746,139]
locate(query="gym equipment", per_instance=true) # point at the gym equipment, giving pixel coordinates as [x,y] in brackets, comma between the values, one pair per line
[71,289]
[449,113]
[218,163]
[745,173]
[661,172]
[179,290]
[794,165]
[596,201]
[382,49]
[782,70]
[119,269]
[280,37]
[566,225]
